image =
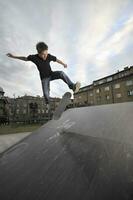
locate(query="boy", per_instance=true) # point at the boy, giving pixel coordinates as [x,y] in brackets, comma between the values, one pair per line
[42,61]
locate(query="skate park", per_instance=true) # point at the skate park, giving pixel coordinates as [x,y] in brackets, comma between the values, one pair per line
[80,149]
[86,154]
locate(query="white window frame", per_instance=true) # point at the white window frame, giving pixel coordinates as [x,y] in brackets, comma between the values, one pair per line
[107,88]
[130,93]
[109,79]
[118,95]
[117,86]
[24,111]
[129,82]
[91,102]
[17,111]
[101,81]
[98,91]
[107,97]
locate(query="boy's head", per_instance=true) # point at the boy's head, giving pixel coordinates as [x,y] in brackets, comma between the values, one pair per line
[42,49]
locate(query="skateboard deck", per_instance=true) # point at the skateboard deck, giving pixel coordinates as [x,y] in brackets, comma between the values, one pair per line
[62,105]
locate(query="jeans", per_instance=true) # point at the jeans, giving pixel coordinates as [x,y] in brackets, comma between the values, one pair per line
[55,75]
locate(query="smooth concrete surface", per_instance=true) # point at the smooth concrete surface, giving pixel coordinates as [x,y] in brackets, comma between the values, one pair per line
[8,140]
[85,155]
[112,121]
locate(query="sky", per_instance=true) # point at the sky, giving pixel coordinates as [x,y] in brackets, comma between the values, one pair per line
[93,37]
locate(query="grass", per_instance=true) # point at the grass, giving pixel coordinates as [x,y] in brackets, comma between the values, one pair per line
[15,128]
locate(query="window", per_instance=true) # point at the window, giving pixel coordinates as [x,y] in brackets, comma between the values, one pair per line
[98,98]
[117,86]
[91,94]
[116,76]
[90,87]
[101,81]
[109,79]
[97,90]
[25,105]
[122,75]
[130,93]
[118,95]
[91,102]
[95,83]
[17,111]
[126,73]
[11,112]
[24,111]
[106,88]
[130,82]
[107,97]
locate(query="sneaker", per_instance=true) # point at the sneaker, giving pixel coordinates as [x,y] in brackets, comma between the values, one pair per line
[76,87]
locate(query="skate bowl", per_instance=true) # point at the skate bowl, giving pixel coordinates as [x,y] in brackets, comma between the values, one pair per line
[86,154]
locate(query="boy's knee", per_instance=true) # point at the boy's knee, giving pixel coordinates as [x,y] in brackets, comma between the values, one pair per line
[62,74]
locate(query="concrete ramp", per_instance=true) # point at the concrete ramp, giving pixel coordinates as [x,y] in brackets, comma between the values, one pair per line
[86,154]
[113,121]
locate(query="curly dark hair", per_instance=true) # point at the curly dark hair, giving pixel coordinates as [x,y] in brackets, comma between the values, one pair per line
[41,46]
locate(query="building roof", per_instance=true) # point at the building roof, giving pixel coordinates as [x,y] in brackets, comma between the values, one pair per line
[82,89]
[125,69]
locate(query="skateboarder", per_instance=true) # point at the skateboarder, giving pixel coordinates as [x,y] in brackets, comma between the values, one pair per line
[42,61]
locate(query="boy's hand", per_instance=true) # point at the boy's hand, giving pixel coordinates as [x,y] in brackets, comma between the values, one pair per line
[10,55]
[65,65]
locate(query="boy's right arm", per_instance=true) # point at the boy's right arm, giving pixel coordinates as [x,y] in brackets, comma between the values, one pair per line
[17,57]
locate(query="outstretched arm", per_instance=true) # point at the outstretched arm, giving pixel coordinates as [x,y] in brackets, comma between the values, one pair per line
[62,63]
[17,57]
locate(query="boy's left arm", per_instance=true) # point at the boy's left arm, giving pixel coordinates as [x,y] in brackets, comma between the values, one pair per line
[62,63]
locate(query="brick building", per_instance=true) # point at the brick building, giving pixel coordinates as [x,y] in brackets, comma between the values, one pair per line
[30,108]
[114,88]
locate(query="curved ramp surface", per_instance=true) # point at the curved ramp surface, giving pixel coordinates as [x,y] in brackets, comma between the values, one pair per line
[86,154]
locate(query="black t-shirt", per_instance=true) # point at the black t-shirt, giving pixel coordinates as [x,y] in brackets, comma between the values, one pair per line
[42,65]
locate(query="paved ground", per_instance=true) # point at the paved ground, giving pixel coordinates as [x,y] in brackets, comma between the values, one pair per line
[86,154]
[8,140]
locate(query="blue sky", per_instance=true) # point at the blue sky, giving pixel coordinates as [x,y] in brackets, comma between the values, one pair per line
[94,37]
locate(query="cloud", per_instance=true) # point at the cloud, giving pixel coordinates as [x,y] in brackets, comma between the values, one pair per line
[115,45]
[94,45]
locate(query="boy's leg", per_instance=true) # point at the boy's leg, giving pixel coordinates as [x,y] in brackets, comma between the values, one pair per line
[46,87]
[61,75]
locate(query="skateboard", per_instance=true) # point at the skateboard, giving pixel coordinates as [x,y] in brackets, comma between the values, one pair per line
[62,105]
